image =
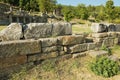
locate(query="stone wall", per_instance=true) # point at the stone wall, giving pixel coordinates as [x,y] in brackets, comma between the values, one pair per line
[18,31]
[18,53]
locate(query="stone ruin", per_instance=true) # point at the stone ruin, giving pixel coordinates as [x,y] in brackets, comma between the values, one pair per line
[18,31]
[10,14]
[28,45]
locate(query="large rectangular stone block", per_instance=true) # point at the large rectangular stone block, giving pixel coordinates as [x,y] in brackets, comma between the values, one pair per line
[99,35]
[49,55]
[12,61]
[91,46]
[47,42]
[60,29]
[108,42]
[38,30]
[19,47]
[71,40]
[117,27]
[49,49]
[78,48]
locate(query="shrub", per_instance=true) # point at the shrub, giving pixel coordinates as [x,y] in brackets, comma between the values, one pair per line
[105,67]
[106,49]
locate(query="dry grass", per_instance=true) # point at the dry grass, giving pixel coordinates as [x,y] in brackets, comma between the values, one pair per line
[81,28]
[2,27]
[72,69]
[116,50]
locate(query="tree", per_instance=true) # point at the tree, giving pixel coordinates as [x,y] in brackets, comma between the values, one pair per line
[110,10]
[68,12]
[82,12]
[47,5]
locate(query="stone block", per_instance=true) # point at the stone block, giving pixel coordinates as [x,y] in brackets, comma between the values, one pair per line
[96,54]
[91,46]
[99,35]
[71,40]
[61,28]
[64,57]
[38,30]
[49,55]
[49,49]
[97,40]
[47,42]
[33,57]
[114,58]
[12,32]
[19,47]
[116,41]
[12,61]
[98,28]
[112,34]
[108,42]
[117,27]
[78,48]
[76,55]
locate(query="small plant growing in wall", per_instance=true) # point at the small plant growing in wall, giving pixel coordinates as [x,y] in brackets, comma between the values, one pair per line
[105,67]
[106,49]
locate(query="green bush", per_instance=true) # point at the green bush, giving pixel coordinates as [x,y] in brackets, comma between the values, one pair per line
[106,49]
[105,67]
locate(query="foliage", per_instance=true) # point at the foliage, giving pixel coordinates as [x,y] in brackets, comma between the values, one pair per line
[105,67]
[47,5]
[106,49]
[68,12]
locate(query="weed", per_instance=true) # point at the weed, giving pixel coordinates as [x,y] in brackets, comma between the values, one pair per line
[105,67]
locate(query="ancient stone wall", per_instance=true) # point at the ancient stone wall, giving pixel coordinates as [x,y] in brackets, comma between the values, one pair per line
[18,53]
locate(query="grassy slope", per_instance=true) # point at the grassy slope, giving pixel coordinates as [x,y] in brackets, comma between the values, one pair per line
[71,69]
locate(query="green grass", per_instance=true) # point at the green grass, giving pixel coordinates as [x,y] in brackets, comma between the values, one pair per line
[116,50]
[2,27]
[81,29]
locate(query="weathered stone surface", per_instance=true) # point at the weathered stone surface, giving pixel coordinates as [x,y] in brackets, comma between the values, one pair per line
[78,48]
[96,54]
[97,40]
[116,41]
[98,28]
[49,49]
[112,34]
[43,30]
[61,28]
[12,32]
[99,35]
[91,46]
[76,55]
[118,36]
[108,42]
[12,61]
[61,53]
[64,57]
[33,57]
[71,40]
[111,28]
[114,58]
[38,30]
[22,47]
[117,27]
[49,55]
[47,42]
